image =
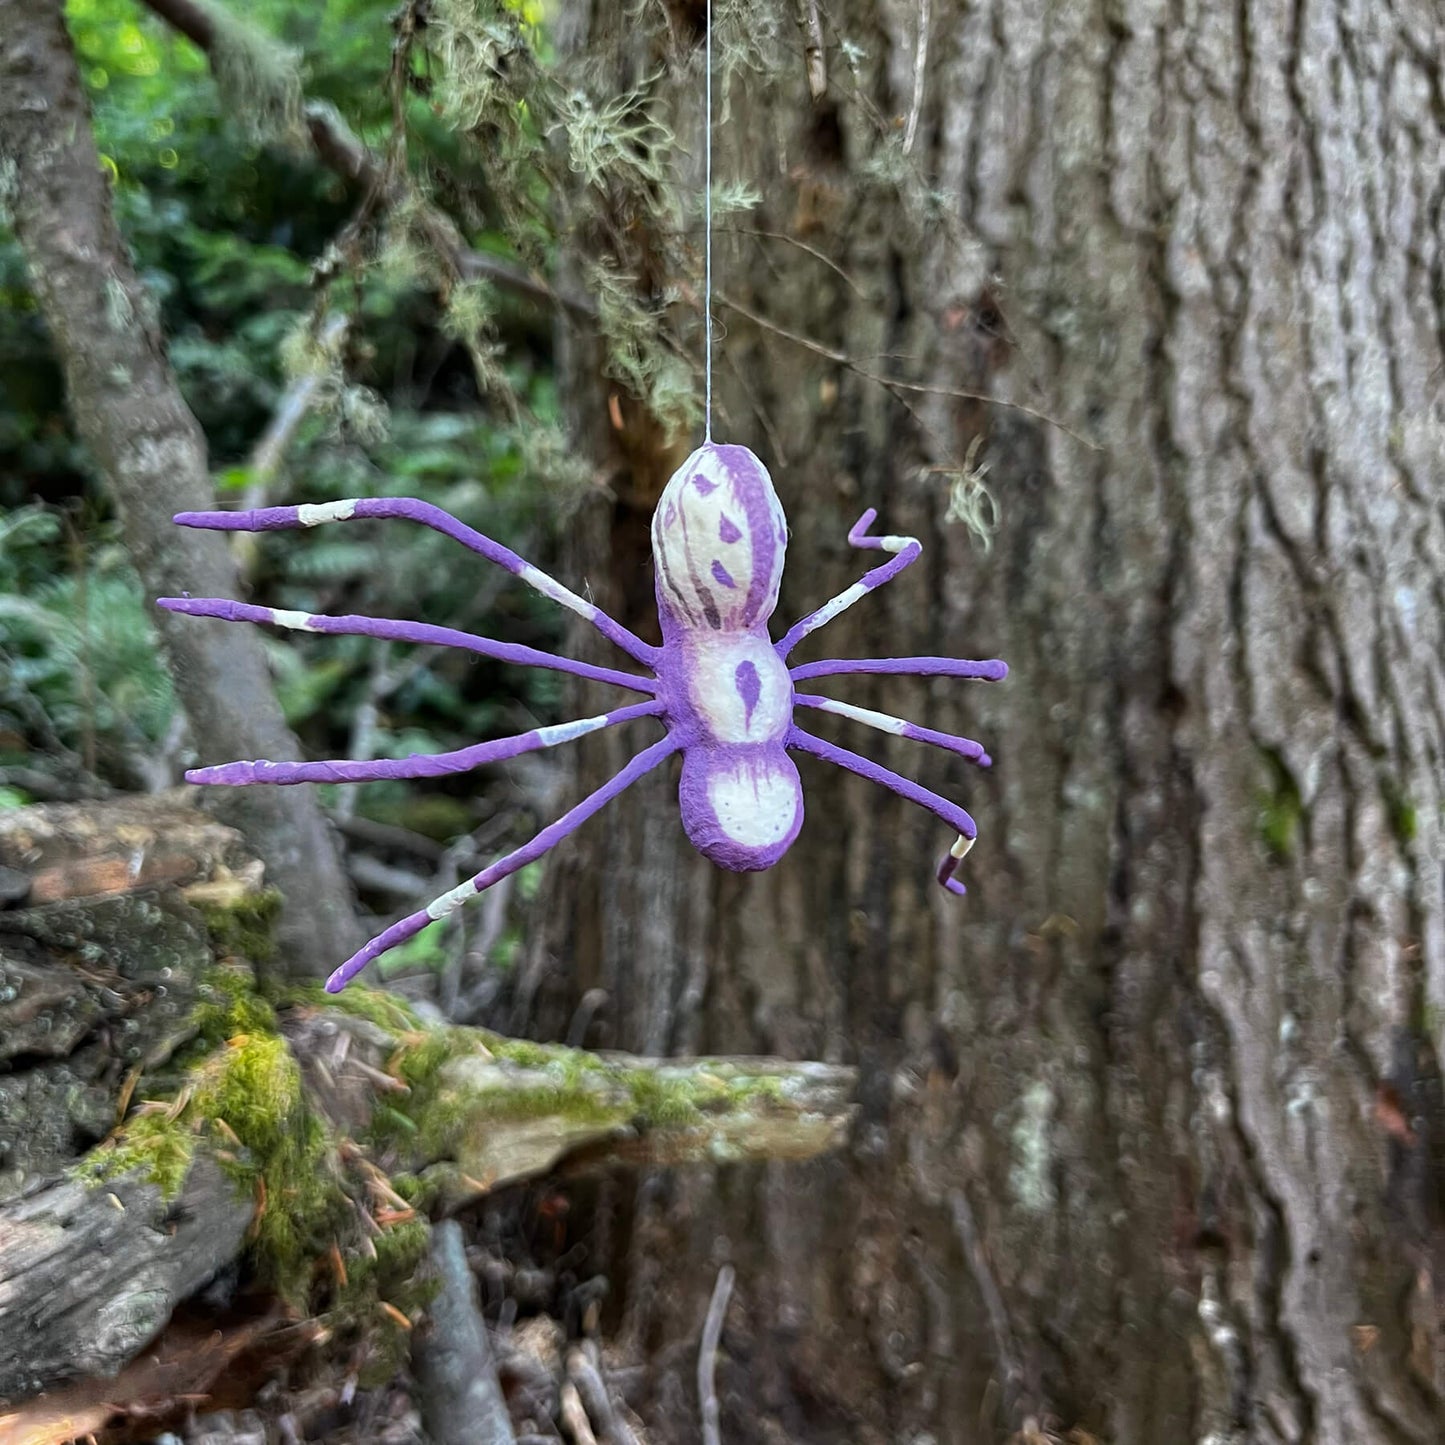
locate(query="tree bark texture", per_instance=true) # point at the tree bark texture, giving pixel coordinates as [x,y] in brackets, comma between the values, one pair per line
[150,450]
[1152,1126]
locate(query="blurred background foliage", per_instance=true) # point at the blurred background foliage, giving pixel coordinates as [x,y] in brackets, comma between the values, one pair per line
[262,279]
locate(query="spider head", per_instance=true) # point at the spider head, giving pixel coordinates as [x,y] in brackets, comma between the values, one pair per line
[718,537]
[741,806]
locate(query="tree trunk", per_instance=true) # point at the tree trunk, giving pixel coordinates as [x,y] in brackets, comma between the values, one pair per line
[1152,1125]
[148,446]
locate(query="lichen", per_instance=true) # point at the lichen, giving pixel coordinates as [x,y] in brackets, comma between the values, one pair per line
[259,79]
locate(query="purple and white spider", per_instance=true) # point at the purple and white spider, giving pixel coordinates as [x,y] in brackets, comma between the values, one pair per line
[719,684]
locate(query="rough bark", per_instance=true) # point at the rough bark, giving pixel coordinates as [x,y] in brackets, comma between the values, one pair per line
[88,1277]
[1151,1130]
[149,448]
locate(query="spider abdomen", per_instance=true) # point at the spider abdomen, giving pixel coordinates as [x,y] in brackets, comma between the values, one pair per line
[742,805]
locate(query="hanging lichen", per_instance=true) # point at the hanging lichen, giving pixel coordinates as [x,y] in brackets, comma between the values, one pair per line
[258,77]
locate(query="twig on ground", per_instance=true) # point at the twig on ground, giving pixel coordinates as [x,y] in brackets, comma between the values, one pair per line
[920,63]
[586,1376]
[461,1396]
[1005,1348]
[810,23]
[574,1416]
[707,1355]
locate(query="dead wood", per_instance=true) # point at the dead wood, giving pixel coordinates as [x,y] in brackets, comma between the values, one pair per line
[132,1170]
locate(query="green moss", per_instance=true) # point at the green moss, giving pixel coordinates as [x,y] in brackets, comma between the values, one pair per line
[665,1103]
[230,1006]
[522,1052]
[243,1097]
[245,928]
[451,1112]
[1404,816]
[375,1005]
[1280,814]
[253,1087]
[390,1276]
[156,1149]
[419,1062]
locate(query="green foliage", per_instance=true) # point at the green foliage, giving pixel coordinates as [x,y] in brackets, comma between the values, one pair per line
[77,648]
[241,240]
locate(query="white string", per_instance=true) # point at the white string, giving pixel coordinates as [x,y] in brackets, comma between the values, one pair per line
[707,213]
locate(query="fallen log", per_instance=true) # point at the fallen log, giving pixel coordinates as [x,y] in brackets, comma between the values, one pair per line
[161,1118]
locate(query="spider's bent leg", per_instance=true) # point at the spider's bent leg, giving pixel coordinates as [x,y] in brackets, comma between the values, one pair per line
[906,551]
[411,509]
[964,747]
[549,837]
[418,765]
[391,630]
[991,671]
[951,814]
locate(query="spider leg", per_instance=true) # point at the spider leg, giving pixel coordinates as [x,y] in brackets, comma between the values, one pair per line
[906,551]
[418,765]
[990,671]
[270,519]
[964,747]
[391,630]
[951,814]
[548,838]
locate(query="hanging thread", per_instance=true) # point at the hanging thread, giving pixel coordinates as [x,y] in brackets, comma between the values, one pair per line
[707,223]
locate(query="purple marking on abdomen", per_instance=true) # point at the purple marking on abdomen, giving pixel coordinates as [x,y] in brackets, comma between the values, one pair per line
[729,530]
[721,575]
[703,485]
[750,689]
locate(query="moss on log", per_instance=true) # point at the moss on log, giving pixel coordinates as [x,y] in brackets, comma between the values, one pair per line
[165,1115]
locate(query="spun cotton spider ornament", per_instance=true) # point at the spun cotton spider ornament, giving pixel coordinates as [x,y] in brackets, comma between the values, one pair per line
[719,685]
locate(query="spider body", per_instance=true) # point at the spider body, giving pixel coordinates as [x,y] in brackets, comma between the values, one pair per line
[718,541]
[719,685]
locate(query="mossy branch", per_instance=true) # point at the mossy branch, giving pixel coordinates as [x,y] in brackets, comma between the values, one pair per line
[470,1112]
[342,1125]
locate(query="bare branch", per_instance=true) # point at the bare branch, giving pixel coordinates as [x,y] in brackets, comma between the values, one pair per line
[920,62]
[893,384]
[707,1354]
[461,1396]
[810,23]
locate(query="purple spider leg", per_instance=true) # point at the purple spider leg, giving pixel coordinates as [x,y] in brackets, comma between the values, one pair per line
[951,813]
[411,509]
[991,671]
[906,551]
[392,630]
[548,838]
[884,722]
[418,765]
